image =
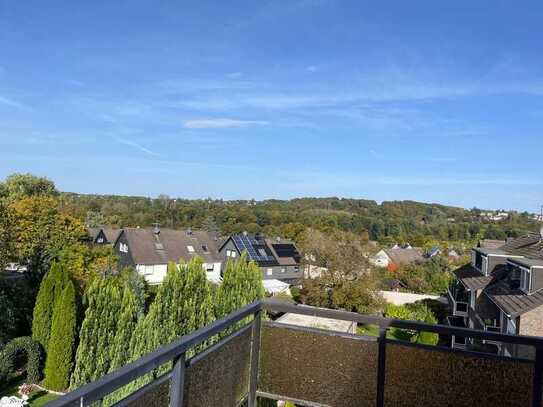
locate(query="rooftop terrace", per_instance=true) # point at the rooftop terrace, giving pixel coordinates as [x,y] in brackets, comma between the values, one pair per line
[316,367]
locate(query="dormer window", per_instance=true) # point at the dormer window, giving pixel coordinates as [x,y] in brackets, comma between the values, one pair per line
[190,249]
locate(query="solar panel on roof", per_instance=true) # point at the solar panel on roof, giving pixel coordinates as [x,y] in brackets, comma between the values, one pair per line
[254,249]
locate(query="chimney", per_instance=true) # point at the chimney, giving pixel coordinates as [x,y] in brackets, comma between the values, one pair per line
[156,230]
[278,239]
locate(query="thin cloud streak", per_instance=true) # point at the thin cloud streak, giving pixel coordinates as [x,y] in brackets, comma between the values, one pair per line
[11,102]
[136,145]
[221,123]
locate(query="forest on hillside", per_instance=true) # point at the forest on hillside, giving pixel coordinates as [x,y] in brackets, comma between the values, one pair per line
[388,222]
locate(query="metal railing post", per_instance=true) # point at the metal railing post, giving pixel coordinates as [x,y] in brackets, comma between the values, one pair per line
[381,362]
[538,375]
[177,386]
[255,356]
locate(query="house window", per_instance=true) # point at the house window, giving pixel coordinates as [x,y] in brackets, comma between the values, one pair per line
[190,249]
[100,240]
[296,269]
[269,272]
[123,247]
[231,253]
[525,280]
[148,270]
[204,248]
[209,267]
[283,270]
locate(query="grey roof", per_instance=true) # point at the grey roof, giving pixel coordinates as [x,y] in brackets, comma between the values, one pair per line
[491,243]
[93,233]
[513,302]
[530,245]
[400,255]
[527,262]
[473,279]
[147,247]
[111,234]
[290,260]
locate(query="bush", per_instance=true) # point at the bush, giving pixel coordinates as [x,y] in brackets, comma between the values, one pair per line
[413,312]
[34,357]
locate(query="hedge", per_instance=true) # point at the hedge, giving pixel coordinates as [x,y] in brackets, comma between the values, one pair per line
[34,356]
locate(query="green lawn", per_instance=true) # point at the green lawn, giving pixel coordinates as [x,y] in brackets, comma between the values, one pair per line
[373,330]
[37,399]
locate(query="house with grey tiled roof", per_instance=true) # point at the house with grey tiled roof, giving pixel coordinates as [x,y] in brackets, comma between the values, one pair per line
[149,250]
[501,290]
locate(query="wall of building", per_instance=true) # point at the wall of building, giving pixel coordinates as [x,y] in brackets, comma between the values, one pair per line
[125,259]
[154,273]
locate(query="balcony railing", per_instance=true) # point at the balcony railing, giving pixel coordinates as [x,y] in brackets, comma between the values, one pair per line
[316,367]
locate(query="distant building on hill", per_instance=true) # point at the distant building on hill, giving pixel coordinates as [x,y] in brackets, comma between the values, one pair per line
[278,259]
[150,250]
[397,256]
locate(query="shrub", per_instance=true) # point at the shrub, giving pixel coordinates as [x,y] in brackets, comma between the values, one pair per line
[34,357]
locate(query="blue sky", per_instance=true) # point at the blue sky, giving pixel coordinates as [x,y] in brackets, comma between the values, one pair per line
[431,101]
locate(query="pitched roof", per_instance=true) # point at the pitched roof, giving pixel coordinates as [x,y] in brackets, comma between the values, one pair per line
[148,247]
[111,234]
[491,243]
[473,279]
[513,302]
[400,255]
[256,247]
[284,251]
[93,233]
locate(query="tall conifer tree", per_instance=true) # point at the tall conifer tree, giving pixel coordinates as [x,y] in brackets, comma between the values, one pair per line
[61,346]
[94,353]
[242,285]
[50,291]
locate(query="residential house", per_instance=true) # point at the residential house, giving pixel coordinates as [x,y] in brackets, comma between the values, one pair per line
[279,259]
[150,250]
[397,256]
[501,290]
[103,235]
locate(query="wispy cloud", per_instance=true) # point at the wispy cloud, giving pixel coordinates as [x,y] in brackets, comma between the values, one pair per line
[311,68]
[135,145]
[221,123]
[11,102]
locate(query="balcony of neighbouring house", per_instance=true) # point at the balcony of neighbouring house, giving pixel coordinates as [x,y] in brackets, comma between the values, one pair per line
[316,367]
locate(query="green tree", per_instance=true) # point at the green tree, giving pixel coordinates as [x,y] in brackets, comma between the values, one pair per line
[18,186]
[6,237]
[242,285]
[7,319]
[183,304]
[49,294]
[61,348]
[103,301]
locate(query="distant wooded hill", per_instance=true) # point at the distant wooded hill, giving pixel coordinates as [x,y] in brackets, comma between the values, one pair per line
[385,222]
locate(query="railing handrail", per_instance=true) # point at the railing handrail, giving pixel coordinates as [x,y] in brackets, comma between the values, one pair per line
[281,306]
[109,383]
